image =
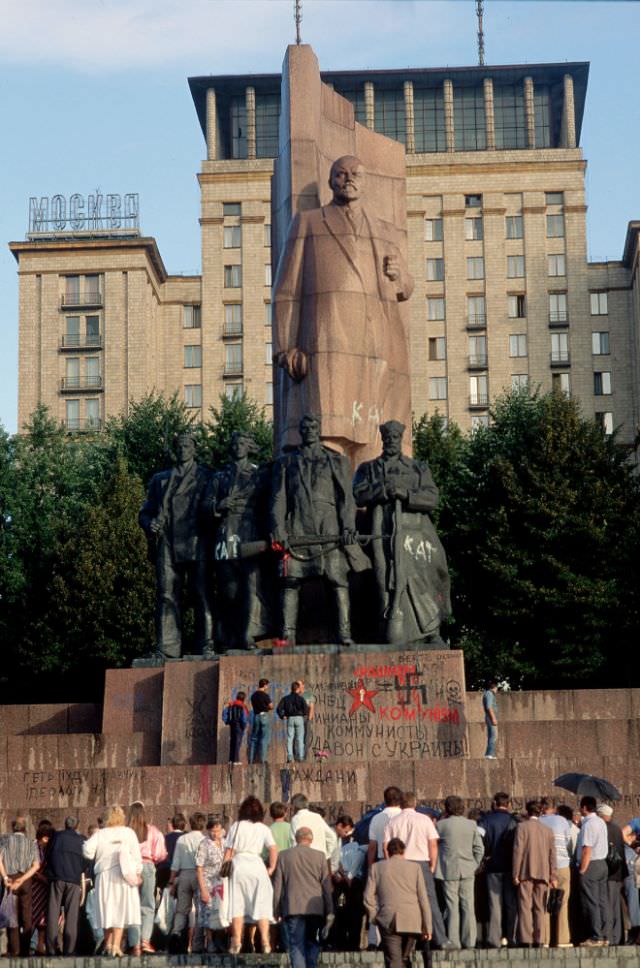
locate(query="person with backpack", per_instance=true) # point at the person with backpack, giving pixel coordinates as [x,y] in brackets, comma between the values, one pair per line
[235,715]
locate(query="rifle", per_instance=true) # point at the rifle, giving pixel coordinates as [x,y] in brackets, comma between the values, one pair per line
[249,549]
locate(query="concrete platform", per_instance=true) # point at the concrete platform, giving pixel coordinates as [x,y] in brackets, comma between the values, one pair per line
[622,957]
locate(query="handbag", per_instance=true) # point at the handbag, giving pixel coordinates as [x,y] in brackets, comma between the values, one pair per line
[128,867]
[226,867]
[554,900]
[8,910]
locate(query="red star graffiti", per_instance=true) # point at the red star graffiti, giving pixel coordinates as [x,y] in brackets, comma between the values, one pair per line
[362,697]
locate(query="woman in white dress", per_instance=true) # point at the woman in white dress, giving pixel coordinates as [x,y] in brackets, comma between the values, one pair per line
[251,891]
[117,901]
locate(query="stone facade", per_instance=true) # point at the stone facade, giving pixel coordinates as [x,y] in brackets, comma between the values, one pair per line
[519,193]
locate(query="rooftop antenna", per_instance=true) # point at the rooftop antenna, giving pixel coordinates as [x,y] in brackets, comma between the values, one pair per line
[479,12]
[297,14]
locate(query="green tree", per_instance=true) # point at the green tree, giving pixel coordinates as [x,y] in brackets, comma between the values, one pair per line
[144,435]
[441,445]
[534,527]
[110,590]
[239,413]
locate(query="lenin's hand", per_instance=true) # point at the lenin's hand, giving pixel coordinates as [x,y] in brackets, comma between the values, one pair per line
[391,267]
[295,362]
[156,526]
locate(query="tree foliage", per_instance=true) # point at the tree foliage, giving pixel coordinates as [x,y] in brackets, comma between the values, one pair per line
[539,515]
[536,525]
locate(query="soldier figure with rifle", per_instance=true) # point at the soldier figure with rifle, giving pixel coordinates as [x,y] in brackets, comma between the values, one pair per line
[313,520]
[174,522]
[409,563]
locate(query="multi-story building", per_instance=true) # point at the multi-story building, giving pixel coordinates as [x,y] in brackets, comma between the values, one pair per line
[505,295]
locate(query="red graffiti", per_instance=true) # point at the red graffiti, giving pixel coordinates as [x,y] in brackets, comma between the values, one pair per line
[362,697]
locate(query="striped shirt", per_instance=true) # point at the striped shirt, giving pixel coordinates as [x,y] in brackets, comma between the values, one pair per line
[18,853]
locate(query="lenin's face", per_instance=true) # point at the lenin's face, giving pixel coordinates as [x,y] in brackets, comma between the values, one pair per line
[347,180]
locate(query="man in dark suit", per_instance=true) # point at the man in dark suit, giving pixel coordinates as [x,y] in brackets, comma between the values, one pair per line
[173,520]
[534,871]
[396,900]
[302,896]
[65,865]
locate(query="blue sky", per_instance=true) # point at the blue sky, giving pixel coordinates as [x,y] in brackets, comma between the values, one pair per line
[93,94]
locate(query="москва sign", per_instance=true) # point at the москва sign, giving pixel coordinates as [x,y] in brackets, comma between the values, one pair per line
[95,213]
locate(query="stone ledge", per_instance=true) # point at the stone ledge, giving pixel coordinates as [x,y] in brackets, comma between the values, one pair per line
[619,957]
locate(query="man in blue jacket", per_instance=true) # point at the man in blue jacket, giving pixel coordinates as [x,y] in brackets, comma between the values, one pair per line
[499,826]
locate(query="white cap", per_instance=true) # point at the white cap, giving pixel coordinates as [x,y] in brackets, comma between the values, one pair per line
[604,810]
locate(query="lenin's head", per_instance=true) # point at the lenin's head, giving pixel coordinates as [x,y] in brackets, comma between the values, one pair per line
[347,179]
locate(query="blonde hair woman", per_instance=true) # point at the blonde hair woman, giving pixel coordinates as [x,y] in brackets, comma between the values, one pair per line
[117,901]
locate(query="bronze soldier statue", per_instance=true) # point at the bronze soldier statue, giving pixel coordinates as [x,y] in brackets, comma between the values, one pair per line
[173,520]
[238,499]
[409,562]
[312,501]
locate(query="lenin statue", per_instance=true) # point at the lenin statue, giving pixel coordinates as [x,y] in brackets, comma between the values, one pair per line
[338,333]
[409,562]
[174,522]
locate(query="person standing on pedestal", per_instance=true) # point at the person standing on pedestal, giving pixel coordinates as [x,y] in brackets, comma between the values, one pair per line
[490,707]
[173,520]
[262,706]
[311,498]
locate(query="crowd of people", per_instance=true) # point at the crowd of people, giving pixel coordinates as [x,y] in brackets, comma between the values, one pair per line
[403,875]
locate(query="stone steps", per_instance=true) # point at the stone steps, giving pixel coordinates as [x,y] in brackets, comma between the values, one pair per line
[621,957]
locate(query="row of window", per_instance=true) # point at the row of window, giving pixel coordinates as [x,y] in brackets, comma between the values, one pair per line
[233,276]
[429,124]
[474,228]
[477,346]
[232,357]
[479,387]
[516,307]
[232,236]
[192,318]
[232,390]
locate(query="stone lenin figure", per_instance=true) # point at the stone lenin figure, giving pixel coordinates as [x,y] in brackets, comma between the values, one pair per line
[174,522]
[312,509]
[409,562]
[337,330]
[238,500]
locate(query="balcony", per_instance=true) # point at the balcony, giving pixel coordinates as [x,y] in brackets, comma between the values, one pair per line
[78,341]
[479,401]
[232,329]
[560,358]
[85,300]
[477,361]
[233,368]
[476,321]
[559,318]
[86,425]
[77,384]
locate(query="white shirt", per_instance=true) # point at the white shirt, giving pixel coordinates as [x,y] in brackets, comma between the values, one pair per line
[593,833]
[246,837]
[378,825]
[324,838]
[184,856]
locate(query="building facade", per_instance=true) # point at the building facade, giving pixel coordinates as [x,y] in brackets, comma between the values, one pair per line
[505,296]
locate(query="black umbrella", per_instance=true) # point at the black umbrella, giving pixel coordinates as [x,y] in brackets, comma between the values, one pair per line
[585,785]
